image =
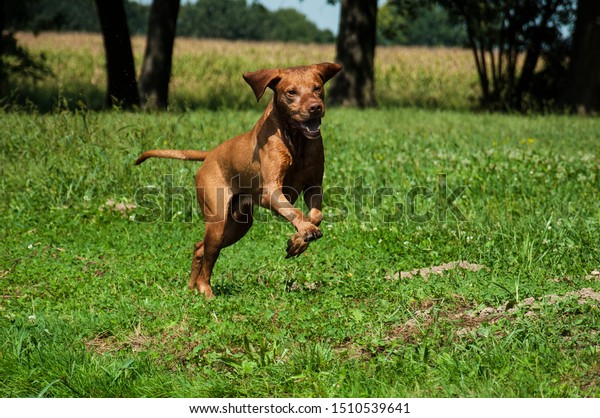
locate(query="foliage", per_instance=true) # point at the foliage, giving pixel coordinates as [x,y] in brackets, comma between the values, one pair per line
[18,13]
[93,302]
[16,63]
[418,23]
[60,15]
[236,19]
[137,17]
[228,19]
[509,39]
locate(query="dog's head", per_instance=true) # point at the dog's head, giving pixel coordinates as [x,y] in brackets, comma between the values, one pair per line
[298,95]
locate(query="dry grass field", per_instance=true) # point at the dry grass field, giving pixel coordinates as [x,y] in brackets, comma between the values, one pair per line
[207,73]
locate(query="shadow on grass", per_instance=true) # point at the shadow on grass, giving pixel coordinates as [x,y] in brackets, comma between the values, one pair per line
[226,287]
[51,97]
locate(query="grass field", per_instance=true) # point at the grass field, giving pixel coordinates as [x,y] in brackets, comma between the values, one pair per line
[207,73]
[459,258]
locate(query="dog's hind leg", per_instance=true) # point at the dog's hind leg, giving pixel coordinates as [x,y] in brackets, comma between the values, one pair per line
[197,261]
[219,235]
[239,220]
[205,256]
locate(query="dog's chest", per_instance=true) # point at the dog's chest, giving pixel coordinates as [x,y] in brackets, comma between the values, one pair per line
[302,172]
[299,163]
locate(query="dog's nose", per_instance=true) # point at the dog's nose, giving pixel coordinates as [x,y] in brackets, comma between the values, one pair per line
[315,108]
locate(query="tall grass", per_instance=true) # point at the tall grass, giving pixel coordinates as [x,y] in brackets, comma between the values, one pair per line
[207,73]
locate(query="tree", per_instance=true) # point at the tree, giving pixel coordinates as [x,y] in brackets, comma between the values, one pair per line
[220,19]
[289,25]
[509,39]
[60,15]
[410,22]
[16,61]
[239,19]
[122,85]
[355,51]
[138,15]
[2,23]
[156,69]
[582,90]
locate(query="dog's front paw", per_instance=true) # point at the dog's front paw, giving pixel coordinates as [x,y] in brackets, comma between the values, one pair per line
[310,233]
[296,246]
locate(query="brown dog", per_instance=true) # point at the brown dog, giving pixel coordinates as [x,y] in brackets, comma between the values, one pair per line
[269,166]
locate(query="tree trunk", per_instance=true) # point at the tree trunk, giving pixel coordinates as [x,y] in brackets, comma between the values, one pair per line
[2,68]
[122,87]
[156,69]
[534,51]
[2,20]
[582,92]
[355,50]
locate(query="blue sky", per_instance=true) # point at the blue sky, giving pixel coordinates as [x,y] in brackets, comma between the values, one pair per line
[323,14]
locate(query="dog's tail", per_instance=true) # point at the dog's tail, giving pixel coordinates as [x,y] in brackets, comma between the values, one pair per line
[189,154]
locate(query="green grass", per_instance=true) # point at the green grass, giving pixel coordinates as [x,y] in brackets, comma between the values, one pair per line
[93,302]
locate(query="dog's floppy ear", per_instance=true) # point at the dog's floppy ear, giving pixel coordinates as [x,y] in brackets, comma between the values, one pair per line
[261,79]
[327,70]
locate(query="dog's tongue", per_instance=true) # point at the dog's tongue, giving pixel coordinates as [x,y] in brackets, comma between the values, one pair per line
[311,128]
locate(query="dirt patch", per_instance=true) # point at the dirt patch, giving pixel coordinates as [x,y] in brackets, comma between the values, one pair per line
[438,270]
[103,343]
[352,351]
[122,207]
[295,286]
[469,318]
[106,343]
[594,276]
[583,295]
[593,381]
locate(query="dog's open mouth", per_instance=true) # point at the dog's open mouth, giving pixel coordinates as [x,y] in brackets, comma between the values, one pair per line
[311,128]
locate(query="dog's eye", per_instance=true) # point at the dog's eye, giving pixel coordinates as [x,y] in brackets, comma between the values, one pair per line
[317,89]
[291,92]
